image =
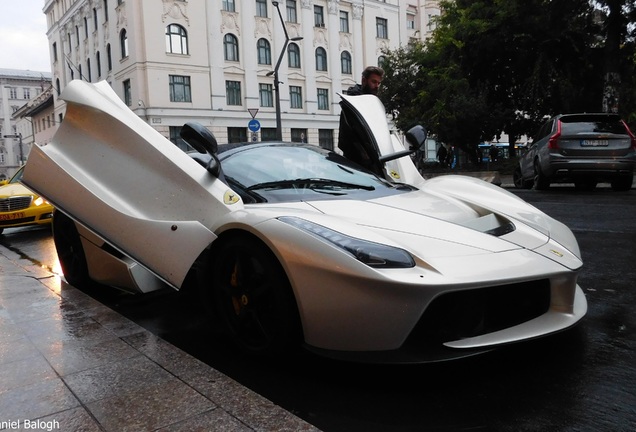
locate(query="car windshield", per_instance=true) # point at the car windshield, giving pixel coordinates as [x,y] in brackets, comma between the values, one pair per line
[17,176]
[295,172]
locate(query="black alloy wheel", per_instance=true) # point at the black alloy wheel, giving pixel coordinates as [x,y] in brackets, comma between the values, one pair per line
[252,296]
[69,250]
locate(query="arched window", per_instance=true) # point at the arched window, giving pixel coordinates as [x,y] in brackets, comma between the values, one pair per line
[99,64]
[264,52]
[293,55]
[321,59]
[176,39]
[381,61]
[230,44]
[123,43]
[345,62]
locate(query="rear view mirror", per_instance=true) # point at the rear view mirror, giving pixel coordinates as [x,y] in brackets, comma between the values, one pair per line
[199,137]
[416,137]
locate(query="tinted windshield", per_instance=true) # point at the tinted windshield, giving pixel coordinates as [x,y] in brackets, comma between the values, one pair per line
[288,173]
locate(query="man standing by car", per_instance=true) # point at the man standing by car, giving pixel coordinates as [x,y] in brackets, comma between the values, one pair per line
[348,142]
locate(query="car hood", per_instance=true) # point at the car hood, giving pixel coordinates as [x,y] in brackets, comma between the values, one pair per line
[13,190]
[457,215]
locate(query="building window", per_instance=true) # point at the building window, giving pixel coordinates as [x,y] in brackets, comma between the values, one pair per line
[236,134]
[109,58]
[228,5]
[382,28]
[299,135]
[264,52]
[175,137]
[319,17]
[266,95]
[381,61]
[345,63]
[123,43]
[410,21]
[292,15]
[105,10]
[176,39]
[127,93]
[325,138]
[323,99]
[293,55]
[88,68]
[13,93]
[85,28]
[54,52]
[344,22]
[295,97]
[233,92]
[321,59]
[27,93]
[77,36]
[180,89]
[261,8]
[230,44]
[99,64]
[95,24]
[268,134]
[70,42]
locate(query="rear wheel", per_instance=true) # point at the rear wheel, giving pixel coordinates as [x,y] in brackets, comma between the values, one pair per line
[69,250]
[541,182]
[247,288]
[622,183]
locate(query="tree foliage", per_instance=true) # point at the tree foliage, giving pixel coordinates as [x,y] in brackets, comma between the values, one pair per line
[502,66]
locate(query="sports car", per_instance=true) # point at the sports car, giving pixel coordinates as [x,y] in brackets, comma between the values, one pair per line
[290,244]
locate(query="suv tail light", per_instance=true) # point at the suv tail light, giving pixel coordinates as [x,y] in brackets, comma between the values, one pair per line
[631,135]
[553,142]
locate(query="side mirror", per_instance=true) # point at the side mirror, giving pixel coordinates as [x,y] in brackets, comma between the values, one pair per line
[199,137]
[416,136]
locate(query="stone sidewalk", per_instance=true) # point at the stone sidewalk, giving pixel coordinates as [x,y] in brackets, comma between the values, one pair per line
[69,363]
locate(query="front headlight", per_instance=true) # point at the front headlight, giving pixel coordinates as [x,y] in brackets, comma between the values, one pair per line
[372,254]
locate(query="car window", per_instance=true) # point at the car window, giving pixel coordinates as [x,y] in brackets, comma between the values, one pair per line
[17,176]
[605,126]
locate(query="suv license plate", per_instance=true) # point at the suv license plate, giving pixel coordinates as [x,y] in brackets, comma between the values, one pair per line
[594,143]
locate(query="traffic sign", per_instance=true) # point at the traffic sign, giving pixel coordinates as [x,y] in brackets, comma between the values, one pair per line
[254,125]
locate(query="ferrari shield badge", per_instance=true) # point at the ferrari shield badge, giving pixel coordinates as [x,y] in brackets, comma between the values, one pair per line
[230,197]
[394,174]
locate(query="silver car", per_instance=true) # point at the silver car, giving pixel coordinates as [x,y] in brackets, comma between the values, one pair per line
[583,149]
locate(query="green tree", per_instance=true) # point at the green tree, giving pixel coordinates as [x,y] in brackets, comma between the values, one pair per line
[495,66]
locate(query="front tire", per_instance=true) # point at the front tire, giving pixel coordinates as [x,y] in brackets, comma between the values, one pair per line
[245,285]
[70,250]
[518,180]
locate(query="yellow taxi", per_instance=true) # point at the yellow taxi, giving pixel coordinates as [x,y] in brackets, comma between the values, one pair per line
[21,207]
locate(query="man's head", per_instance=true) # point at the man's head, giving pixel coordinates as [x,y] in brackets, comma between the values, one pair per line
[371,79]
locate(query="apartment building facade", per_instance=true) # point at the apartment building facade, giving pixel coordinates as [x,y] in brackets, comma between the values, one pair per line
[17,88]
[212,61]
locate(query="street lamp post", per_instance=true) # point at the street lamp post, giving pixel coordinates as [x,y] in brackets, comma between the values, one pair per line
[279,127]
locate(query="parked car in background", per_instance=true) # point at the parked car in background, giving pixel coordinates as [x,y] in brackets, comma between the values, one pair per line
[21,207]
[584,149]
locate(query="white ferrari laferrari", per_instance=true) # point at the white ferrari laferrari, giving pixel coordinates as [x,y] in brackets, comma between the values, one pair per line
[291,244]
